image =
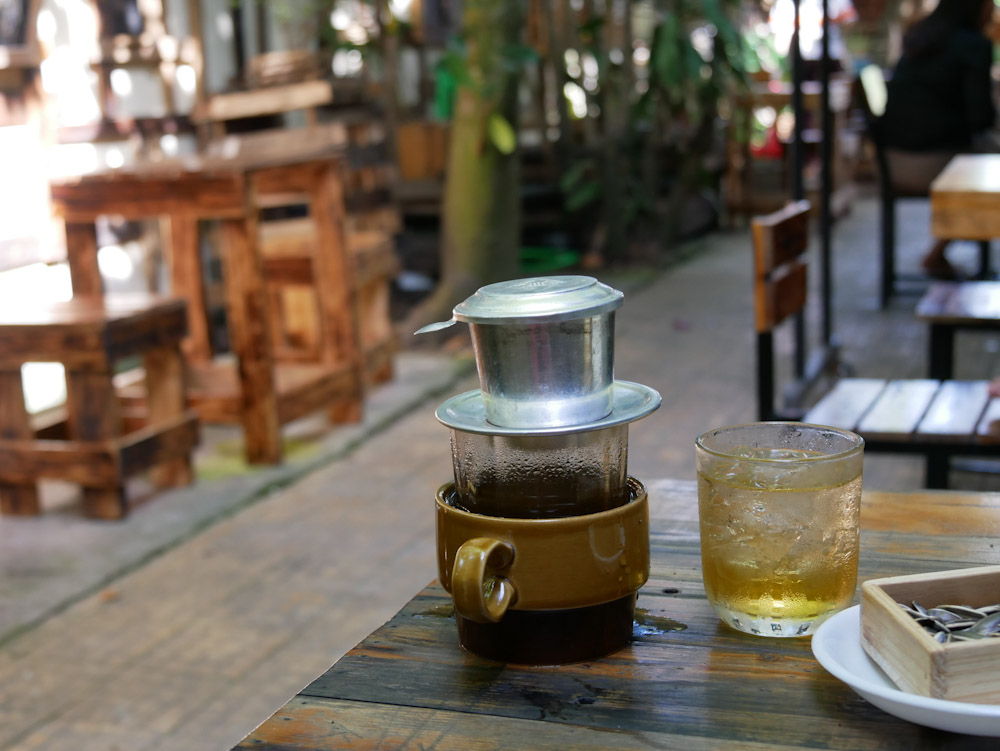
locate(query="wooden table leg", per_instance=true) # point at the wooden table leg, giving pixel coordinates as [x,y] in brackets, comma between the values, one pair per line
[187,282]
[94,415]
[246,308]
[81,252]
[936,470]
[15,499]
[165,393]
[340,332]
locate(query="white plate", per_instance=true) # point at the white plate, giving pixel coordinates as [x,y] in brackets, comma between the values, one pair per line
[837,646]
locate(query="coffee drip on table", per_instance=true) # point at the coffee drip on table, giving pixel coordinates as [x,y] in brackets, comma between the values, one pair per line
[543,537]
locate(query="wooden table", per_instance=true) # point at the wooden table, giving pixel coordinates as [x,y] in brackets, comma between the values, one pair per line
[965,202]
[949,307]
[965,198]
[686,681]
[258,392]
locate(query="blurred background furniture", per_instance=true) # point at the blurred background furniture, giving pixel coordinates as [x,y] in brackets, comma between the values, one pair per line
[936,418]
[965,203]
[872,95]
[408,683]
[757,177]
[950,307]
[288,236]
[257,390]
[95,444]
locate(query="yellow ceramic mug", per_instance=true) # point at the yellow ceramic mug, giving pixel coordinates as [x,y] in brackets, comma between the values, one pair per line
[491,564]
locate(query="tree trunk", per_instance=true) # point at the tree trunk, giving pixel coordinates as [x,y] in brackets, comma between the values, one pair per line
[689,176]
[481,220]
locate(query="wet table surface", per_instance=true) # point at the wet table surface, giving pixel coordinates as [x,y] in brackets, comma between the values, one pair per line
[686,681]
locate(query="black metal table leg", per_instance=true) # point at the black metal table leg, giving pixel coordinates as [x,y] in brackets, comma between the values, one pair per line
[941,351]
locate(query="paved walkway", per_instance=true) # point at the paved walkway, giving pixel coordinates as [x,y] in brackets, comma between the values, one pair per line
[190,622]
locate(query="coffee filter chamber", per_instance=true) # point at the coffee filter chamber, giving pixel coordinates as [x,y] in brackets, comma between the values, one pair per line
[540,476]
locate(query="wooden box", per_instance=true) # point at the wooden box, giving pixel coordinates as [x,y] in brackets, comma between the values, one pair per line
[960,671]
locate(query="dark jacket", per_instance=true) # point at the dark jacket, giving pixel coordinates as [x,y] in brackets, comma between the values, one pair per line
[938,102]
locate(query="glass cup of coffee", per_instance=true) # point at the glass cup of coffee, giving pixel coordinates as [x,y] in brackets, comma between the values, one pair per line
[779,508]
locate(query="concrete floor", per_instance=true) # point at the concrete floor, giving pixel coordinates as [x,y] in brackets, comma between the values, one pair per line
[186,625]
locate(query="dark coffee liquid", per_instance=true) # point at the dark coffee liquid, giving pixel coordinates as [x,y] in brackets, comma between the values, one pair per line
[551,637]
[530,499]
[541,477]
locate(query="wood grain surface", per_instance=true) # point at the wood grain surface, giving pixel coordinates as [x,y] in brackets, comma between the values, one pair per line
[686,681]
[965,198]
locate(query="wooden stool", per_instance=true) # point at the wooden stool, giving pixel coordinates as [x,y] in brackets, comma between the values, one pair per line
[101,448]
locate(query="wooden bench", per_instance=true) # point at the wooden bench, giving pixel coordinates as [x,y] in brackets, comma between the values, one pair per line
[935,418]
[96,447]
[949,307]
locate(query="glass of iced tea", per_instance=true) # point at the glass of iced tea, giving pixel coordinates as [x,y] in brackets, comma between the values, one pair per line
[779,505]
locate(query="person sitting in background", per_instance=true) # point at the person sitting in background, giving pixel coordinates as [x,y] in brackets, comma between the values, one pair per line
[940,100]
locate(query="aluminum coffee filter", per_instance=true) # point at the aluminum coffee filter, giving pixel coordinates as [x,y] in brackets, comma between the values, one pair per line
[539,300]
[544,349]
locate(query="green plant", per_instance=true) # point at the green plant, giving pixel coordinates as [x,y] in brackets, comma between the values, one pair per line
[647,166]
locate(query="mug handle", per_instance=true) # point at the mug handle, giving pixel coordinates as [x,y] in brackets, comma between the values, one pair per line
[479,592]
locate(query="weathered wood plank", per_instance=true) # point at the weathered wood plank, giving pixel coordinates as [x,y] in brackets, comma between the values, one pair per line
[149,194]
[266,101]
[899,409]
[74,346]
[306,724]
[409,685]
[188,283]
[88,333]
[94,417]
[962,303]
[20,498]
[846,403]
[338,315]
[162,324]
[88,463]
[313,387]
[246,307]
[988,428]
[165,380]
[289,179]
[779,276]
[965,198]
[955,412]
[168,440]
[289,270]
[81,253]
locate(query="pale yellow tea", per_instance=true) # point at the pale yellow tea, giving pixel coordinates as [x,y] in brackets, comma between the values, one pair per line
[779,538]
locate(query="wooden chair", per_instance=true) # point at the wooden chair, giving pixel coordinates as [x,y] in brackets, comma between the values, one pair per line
[253,389]
[936,418]
[780,241]
[289,273]
[97,445]
[371,221]
[872,94]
